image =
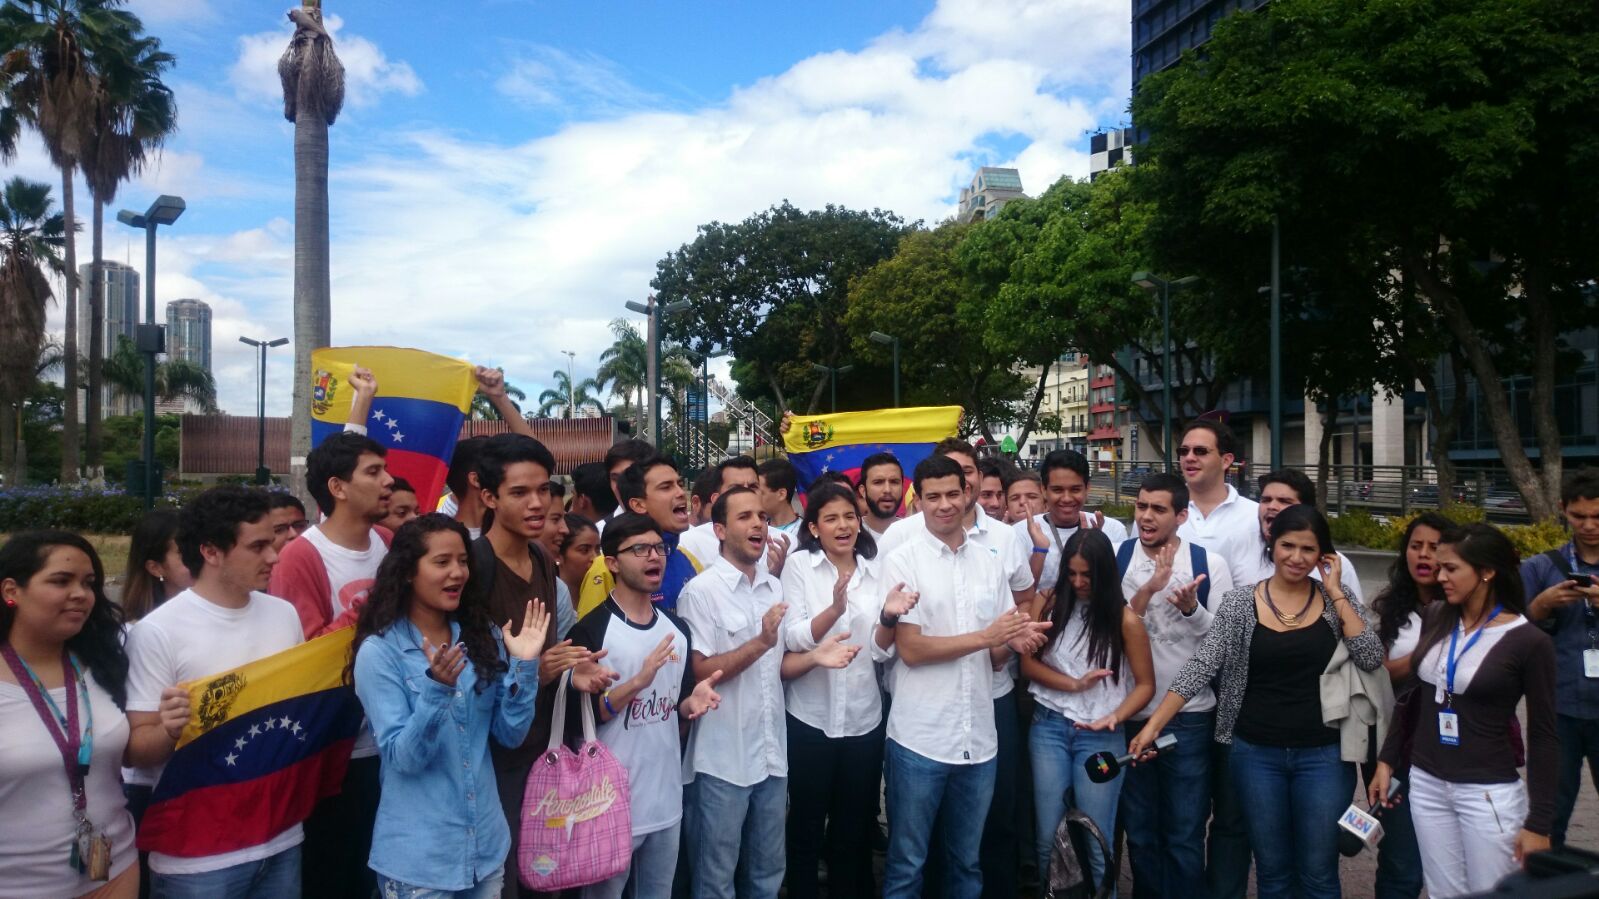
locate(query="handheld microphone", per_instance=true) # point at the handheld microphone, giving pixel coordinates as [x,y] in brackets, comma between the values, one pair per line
[1358,830]
[1102,767]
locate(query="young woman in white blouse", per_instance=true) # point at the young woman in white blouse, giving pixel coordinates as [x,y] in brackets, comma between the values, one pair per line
[1094,671]
[64,824]
[834,590]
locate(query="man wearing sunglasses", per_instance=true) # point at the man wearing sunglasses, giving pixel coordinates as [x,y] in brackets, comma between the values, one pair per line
[1218,518]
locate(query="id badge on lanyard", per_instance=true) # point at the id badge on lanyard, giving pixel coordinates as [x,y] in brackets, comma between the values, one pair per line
[1448,719]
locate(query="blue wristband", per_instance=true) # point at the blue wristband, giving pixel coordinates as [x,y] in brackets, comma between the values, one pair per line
[606,699]
[1044,551]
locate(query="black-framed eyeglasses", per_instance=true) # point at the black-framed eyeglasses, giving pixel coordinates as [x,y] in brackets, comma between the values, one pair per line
[645,550]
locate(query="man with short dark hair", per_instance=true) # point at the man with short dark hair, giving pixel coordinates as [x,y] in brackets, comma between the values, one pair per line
[402,505]
[644,718]
[882,489]
[991,474]
[1024,495]
[465,504]
[703,494]
[1561,599]
[591,492]
[650,487]
[225,620]
[288,518]
[622,455]
[700,541]
[1173,586]
[779,481]
[1065,476]
[1219,519]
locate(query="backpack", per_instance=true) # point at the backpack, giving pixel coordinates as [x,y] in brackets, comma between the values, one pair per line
[1069,866]
[1198,560]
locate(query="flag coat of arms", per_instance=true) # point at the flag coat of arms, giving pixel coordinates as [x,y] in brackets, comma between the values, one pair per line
[422,400]
[842,441]
[265,741]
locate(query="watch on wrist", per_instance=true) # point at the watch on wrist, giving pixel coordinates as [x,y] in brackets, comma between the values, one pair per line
[887,620]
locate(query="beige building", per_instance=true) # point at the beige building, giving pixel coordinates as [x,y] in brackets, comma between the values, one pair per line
[1066,399]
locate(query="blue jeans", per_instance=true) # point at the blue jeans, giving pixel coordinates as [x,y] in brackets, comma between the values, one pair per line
[1059,750]
[650,874]
[1294,798]
[1227,855]
[274,877]
[1579,743]
[736,837]
[483,889]
[923,793]
[1163,809]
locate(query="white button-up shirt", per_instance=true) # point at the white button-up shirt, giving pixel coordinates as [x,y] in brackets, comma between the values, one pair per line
[839,702]
[1050,573]
[945,711]
[1173,636]
[1231,530]
[745,740]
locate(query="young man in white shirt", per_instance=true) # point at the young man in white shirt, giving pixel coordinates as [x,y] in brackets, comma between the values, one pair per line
[1278,490]
[738,759]
[222,622]
[1219,519]
[1174,586]
[326,575]
[644,716]
[942,742]
[1065,475]
[779,481]
[701,541]
[881,487]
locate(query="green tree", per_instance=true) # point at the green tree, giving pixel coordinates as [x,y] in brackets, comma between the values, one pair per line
[32,236]
[174,378]
[922,295]
[313,94]
[624,367]
[569,397]
[483,410]
[774,289]
[1437,153]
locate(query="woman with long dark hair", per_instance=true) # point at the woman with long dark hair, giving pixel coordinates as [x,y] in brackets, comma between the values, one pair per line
[1477,658]
[834,590]
[1267,649]
[1412,586]
[156,571]
[1094,671]
[437,678]
[64,824]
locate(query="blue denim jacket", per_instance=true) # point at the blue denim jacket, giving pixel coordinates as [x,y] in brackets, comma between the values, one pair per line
[439,821]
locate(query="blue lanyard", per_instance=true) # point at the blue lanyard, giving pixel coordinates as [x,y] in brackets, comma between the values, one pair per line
[86,746]
[1454,660]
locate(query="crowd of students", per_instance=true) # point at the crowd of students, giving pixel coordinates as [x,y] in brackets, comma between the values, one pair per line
[767,671]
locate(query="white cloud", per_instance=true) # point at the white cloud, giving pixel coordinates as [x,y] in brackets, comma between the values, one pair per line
[584,83]
[368,72]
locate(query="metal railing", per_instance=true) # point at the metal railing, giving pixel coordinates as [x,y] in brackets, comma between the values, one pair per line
[737,407]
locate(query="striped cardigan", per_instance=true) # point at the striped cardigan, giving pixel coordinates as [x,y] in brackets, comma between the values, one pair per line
[1224,656]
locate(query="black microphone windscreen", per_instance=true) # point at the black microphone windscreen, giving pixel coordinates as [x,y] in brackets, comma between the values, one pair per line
[1102,767]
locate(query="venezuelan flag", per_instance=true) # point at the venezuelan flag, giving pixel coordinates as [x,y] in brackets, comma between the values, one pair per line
[264,743]
[842,441]
[422,400]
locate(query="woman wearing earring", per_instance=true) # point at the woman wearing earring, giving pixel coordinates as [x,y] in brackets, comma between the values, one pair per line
[1478,657]
[64,824]
[155,567]
[1268,647]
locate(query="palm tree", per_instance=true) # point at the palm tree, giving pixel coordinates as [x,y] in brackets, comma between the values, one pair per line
[50,48]
[483,410]
[134,112]
[175,379]
[569,397]
[624,366]
[313,94]
[31,240]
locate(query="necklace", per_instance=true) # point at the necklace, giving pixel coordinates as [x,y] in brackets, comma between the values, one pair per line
[1292,620]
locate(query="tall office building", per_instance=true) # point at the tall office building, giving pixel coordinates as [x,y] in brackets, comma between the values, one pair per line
[189,332]
[121,315]
[1163,29]
[990,190]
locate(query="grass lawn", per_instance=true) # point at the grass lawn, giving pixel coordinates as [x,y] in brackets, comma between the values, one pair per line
[113,551]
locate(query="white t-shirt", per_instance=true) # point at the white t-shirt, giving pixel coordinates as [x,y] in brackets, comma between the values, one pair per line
[1068,654]
[1115,530]
[350,576]
[1173,636]
[1408,638]
[187,638]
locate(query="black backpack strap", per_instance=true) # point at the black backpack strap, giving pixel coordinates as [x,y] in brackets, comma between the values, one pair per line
[1558,558]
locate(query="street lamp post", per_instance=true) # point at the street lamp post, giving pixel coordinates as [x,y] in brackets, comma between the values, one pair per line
[653,308]
[891,340]
[571,389]
[832,377]
[262,474]
[150,338]
[1276,404]
[1153,282]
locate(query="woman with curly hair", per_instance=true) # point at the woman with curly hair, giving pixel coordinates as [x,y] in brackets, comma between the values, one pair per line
[64,824]
[422,660]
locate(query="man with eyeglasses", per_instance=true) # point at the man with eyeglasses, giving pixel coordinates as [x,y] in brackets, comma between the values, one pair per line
[1219,519]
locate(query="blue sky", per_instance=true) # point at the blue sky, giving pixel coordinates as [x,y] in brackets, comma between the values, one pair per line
[506,173]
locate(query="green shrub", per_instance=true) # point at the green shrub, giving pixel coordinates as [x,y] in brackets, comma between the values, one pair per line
[1123,511]
[1532,539]
[82,509]
[1357,527]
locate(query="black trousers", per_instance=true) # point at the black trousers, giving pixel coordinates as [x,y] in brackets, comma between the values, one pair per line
[832,806]
[338,838]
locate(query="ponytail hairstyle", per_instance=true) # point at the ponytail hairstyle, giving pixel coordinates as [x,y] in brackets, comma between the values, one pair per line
[1487,549]
[152,538]
[98,645]
[390,599]
[1103,604]
[1402,595]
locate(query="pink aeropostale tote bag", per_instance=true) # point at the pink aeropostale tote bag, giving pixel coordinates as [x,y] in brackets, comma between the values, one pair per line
[576,825]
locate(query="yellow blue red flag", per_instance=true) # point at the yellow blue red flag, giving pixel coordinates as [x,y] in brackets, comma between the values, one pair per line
[265,742]
[422,400]
[842,441]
